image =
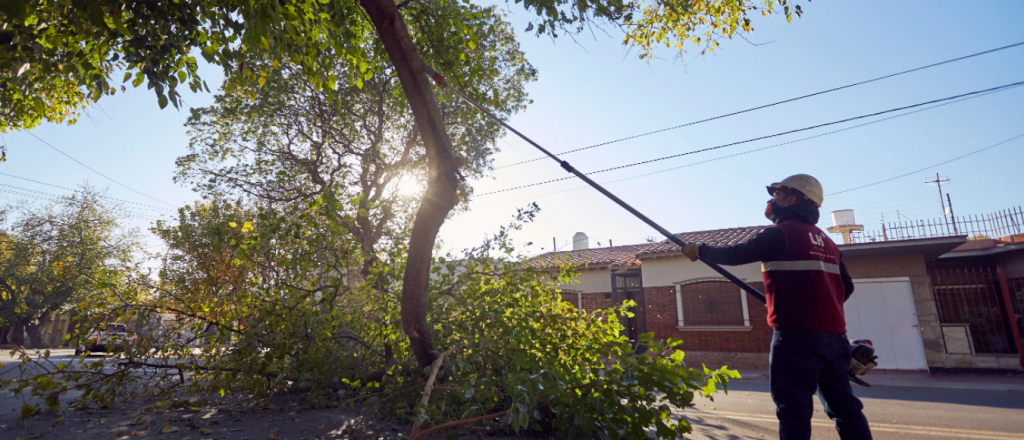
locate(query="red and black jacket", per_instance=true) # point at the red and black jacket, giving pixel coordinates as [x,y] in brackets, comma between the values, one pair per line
[806,282]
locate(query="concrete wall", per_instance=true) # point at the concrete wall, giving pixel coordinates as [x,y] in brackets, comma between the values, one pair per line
[591,281]
[667,271]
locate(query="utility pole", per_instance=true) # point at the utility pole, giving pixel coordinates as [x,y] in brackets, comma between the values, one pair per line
[938,182]
[554,245]
[951,214]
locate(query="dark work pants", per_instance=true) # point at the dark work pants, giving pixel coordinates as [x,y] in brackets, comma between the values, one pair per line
[802,364]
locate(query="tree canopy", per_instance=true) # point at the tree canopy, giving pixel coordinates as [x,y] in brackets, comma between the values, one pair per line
[285,140]
[54,257]
[59,56]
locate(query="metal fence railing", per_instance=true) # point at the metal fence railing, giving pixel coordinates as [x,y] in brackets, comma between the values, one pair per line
[1004,223]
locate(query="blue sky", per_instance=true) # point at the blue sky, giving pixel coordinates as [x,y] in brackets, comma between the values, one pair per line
[596,91]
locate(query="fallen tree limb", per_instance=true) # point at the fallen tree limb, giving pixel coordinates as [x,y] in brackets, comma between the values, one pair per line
[423,434]
[430,385]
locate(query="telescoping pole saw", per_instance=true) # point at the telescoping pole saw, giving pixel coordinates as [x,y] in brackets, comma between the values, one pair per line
[441,82]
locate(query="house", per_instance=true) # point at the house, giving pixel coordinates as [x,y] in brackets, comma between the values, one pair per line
[905,300]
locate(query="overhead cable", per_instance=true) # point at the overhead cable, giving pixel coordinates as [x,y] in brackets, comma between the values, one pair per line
[39,195]
[772,104]
[951,98]
[928,167]
[156,208]
[759,149]
[97,172]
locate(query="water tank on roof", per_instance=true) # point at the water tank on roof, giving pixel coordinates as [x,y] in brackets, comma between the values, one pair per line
[580,241]
[843,223]
[843,217]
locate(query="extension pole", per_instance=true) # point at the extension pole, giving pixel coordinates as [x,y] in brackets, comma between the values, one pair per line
[441,82]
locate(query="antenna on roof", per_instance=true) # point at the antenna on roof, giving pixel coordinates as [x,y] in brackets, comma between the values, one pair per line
[939,180]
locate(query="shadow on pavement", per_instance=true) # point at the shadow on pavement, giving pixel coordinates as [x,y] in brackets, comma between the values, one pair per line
[1006,399]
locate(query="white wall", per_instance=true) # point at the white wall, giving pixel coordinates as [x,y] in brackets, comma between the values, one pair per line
[591,281]
[666,271]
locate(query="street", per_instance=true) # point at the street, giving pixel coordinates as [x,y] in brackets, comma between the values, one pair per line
[942,408]
[904,413]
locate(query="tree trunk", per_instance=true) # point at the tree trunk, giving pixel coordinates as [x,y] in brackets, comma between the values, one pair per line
[17,335]
[35,339]
[440,196]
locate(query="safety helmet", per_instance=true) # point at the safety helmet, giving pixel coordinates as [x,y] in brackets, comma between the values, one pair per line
[806,184]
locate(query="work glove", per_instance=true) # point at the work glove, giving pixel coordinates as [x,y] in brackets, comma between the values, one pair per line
[692,251]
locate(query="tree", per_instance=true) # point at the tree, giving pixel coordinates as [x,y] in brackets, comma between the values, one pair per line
[78,47]
[53,258]
[286,141]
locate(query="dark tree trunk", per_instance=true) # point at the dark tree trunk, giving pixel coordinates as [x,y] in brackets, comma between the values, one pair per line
[442,183]
[35,339]
[17,335]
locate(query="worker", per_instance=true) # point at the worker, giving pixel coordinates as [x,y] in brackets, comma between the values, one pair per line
[806,284]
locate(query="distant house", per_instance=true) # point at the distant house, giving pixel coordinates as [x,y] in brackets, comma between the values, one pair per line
[906,299]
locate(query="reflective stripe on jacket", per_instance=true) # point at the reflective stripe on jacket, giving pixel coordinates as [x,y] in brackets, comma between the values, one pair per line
[803,285]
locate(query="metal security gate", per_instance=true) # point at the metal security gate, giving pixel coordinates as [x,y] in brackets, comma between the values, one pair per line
[979,298]
[629,285]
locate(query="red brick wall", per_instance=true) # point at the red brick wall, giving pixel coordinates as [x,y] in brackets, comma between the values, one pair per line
[597,301]
[591,301]
[662,320]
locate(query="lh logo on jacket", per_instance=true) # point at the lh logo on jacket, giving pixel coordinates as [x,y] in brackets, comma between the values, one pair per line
[817,240]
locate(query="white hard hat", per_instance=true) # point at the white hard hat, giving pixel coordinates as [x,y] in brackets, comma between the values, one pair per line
[806,184]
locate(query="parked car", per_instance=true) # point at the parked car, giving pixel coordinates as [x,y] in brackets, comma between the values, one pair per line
[114,338]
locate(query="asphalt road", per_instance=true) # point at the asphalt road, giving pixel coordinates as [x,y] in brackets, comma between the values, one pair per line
[747,412]
[903,413]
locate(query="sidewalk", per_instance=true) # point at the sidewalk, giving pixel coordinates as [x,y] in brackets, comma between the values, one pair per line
[922,379]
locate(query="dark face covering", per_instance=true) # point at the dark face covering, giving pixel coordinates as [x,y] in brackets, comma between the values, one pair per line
[805,211]
[771,209]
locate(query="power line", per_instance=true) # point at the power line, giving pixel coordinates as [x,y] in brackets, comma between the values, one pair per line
[755,150]
[97,172]
[955,97]
[928,167]
[39,195]
[772,104]
[143,206]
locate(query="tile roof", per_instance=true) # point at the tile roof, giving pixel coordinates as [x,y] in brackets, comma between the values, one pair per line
[717,237]
[614,256]
[629,255]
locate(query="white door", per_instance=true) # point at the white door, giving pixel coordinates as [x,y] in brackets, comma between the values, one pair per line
[883,311]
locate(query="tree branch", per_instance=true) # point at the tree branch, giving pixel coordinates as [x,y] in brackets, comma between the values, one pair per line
[430,385]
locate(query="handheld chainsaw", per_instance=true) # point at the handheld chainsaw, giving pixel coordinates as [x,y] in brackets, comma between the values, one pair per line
[862,360]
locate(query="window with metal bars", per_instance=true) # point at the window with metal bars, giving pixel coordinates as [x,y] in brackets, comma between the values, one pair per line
[711,304]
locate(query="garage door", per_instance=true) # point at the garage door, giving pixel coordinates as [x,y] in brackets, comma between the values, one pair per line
[883,311]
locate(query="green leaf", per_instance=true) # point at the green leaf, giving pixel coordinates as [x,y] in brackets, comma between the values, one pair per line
[162,101]
[262,80]
[182,76]
[210,53]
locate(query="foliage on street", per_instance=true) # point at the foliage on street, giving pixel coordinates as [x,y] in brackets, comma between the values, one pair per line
[258,303]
